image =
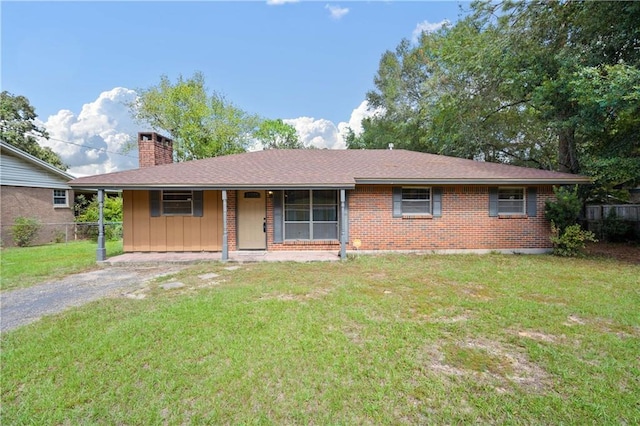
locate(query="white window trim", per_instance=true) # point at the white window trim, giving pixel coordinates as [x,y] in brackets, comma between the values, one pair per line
[66,199]
[524,201]
[430,204]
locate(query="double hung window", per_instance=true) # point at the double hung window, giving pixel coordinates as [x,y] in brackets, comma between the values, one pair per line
[60,198]
[511,201]
[416,201]
[310,215]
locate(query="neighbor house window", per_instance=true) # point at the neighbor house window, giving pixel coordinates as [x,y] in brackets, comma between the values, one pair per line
[310,215]
[416,201]
[511,201]
[177,203]
[60,198]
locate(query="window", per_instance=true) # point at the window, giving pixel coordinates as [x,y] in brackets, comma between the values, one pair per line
[177,203]
[310,215]
[511,201]
[60,198]
[416,201]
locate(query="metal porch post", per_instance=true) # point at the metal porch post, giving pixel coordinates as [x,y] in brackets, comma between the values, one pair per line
[225,235]
[101,252]
[343,235]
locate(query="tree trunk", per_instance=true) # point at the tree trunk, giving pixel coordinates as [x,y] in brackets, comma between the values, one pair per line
[567,155]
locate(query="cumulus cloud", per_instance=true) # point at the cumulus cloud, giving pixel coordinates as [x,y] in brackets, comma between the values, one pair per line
[324,134]
[336,12]
[427,27]
[93,141]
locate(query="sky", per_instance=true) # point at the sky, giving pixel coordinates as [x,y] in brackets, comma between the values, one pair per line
[309,63]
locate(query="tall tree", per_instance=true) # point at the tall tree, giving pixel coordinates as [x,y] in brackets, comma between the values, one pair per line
[546,84]
[201,125]
[18,128]
[275,134]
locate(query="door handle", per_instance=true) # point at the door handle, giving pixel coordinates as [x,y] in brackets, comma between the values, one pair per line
[264,225]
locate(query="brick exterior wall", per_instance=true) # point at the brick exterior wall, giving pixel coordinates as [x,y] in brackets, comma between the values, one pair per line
[154,150]
[232,224]
[465,224]
[36,203]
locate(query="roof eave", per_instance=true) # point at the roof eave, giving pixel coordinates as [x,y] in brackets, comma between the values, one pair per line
[215,187]
[500,181]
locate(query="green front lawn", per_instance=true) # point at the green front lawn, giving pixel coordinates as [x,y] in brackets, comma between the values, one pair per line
[375,340]
[26,266]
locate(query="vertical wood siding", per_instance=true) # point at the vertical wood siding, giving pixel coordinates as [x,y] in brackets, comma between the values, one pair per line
[171,233]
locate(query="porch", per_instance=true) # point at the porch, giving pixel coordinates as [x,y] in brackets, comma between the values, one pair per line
[146,258]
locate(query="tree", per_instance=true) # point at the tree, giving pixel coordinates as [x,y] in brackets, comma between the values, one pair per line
[201,125]
[547,84]
[275,134]
[18,128]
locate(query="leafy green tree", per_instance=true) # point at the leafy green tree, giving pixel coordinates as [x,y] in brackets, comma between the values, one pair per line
[18,128]
[201,125]
[552,85]
[275,134]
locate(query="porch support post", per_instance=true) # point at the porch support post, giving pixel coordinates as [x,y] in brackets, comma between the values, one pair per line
[101,252]
[343,234]
[225,234]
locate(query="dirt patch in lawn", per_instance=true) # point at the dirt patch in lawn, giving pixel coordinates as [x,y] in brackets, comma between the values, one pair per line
[493,363]
[623,252]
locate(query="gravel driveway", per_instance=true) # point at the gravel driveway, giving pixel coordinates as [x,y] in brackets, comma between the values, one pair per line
[24,306]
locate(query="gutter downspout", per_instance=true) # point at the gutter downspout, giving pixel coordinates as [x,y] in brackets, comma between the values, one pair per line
[343,235]
[101,252]
[225,235]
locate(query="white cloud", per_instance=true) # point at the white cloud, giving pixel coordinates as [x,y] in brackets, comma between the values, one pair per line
[322,133]
[427,27]
[103,128]
[280,2]
[337,12]
[357,115]
[319,133]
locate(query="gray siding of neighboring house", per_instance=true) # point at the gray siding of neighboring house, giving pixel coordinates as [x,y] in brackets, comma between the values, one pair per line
[18,172]
[27,186]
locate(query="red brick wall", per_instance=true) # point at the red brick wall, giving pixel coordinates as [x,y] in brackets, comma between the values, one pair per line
[464,225]
[154,150]
[232,223]
[36,203]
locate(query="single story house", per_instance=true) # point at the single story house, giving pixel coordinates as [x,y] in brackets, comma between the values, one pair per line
[367,200]
[36,189]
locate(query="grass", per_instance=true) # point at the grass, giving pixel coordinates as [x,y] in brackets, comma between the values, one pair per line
[26,266]
[375,340]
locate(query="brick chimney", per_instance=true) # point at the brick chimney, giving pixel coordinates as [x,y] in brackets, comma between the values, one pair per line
[154,149]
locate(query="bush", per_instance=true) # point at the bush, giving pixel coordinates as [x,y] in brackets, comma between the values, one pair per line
[615,229]
[572,241]
[565,210]
[112,211]
[25,230]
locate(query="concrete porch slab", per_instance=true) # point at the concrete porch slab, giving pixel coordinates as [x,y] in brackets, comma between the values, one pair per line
[155,258]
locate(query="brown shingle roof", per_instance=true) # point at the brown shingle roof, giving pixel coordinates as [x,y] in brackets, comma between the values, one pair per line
[312,168]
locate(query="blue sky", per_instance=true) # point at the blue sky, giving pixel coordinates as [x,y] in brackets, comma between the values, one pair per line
[279,61]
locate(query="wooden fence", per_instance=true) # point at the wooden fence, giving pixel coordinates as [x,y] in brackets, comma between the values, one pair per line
[629,212]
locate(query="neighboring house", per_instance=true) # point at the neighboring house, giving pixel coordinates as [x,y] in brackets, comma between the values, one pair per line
[33,188]
[368,200]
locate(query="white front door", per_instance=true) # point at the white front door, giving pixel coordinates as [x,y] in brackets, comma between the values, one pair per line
[252,211]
